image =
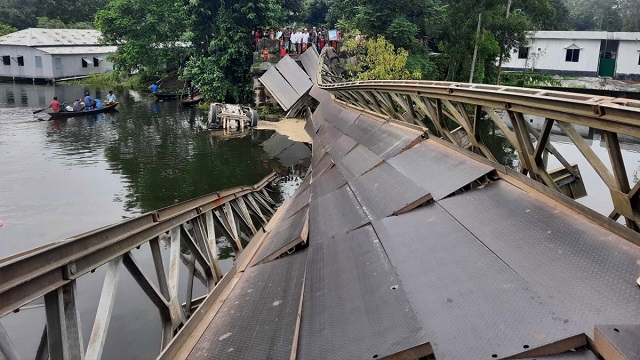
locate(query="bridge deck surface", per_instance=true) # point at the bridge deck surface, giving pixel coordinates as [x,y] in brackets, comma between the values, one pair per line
[404,257]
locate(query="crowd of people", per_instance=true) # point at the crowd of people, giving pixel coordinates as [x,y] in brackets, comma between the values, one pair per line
[86,104]
[295,41]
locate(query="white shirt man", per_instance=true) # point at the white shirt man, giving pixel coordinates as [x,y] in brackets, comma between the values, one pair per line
[305,36]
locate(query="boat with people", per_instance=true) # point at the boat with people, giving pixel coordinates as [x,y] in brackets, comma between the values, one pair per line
[231,117]
[67,114]
[191,101]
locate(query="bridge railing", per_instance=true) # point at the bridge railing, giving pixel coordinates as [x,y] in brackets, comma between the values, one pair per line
[456,112]
[51,271]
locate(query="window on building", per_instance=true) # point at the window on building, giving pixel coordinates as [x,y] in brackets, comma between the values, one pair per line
[96,62]
[6,59]
[523,53]
[38,62]
[20,60]
[638,59]
[573,55]
[85,62]
[57,63]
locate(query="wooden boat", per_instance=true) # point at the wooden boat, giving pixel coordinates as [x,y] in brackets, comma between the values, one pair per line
[68,114]
[166,96]
[193,101]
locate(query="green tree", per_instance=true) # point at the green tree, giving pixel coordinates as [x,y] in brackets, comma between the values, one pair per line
[378,59]
[45,22]
[221,34]
[6,29]
[147,33]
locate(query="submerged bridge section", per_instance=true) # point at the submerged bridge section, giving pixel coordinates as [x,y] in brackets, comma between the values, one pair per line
[400,244]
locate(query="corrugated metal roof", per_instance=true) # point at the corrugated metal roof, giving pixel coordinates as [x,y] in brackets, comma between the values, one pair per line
[52,37]
[79,50]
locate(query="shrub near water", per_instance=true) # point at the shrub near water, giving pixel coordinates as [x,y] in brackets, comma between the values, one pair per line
[378,59]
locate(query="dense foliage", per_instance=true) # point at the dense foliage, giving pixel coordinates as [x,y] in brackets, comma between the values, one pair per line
[378,59]
[6,29]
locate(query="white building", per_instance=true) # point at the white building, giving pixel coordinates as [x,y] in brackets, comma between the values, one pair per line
[580,53]
[52,54]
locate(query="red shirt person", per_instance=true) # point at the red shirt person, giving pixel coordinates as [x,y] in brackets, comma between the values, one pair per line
[55,105]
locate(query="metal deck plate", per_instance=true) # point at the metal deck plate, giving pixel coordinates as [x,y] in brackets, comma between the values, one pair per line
[317,118]
[335,213]
[389,140]
[363,127]
[305,183]
[438,170]
[328,182]
[581,354]
[341,147]
[284,236]
[322,165]
[470,303]
[309,61]
[357,162]
[279,88]
[350,308]
[295,76]
[344,119]
[384,191]
[258,320]
[327,135]
[299,200]
[588,272]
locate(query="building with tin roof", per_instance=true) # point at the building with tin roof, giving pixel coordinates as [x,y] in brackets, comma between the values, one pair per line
[53,54]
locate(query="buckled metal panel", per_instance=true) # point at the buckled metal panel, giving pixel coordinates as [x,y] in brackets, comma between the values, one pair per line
[580,354]
[305,183]
[384,191]
[341,147]
[362,128]
[352,308]
[344,119]
[328,182]
[258,320]
[309,61]
[469,302]
[299,201]
[308,127]
[357,162]
[335,213]
[294,75]
[327,135]
[389,140]
[284,236]
[438,170]
[317,118]
[587,271]
[323,165]
[279,88]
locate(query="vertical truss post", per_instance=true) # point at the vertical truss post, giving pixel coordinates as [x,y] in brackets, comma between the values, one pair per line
[63,323]
[620,174]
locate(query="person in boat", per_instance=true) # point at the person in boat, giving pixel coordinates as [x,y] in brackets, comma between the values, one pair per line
[189,89]
[154,88]
[98,104]
[111,98]
[55,105]
[88,101]
[77,105]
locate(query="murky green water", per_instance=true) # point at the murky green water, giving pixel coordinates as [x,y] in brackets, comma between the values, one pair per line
[61,178]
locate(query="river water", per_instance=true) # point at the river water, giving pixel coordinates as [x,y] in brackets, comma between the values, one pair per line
[61,178]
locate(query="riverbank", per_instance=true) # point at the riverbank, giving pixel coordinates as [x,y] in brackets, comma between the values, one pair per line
[292,128]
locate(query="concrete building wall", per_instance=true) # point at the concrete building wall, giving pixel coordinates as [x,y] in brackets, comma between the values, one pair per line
[628,61]
[549,55]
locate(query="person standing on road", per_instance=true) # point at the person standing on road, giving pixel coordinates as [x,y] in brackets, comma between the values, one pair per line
[305,40]
[286,35]
[313,37]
